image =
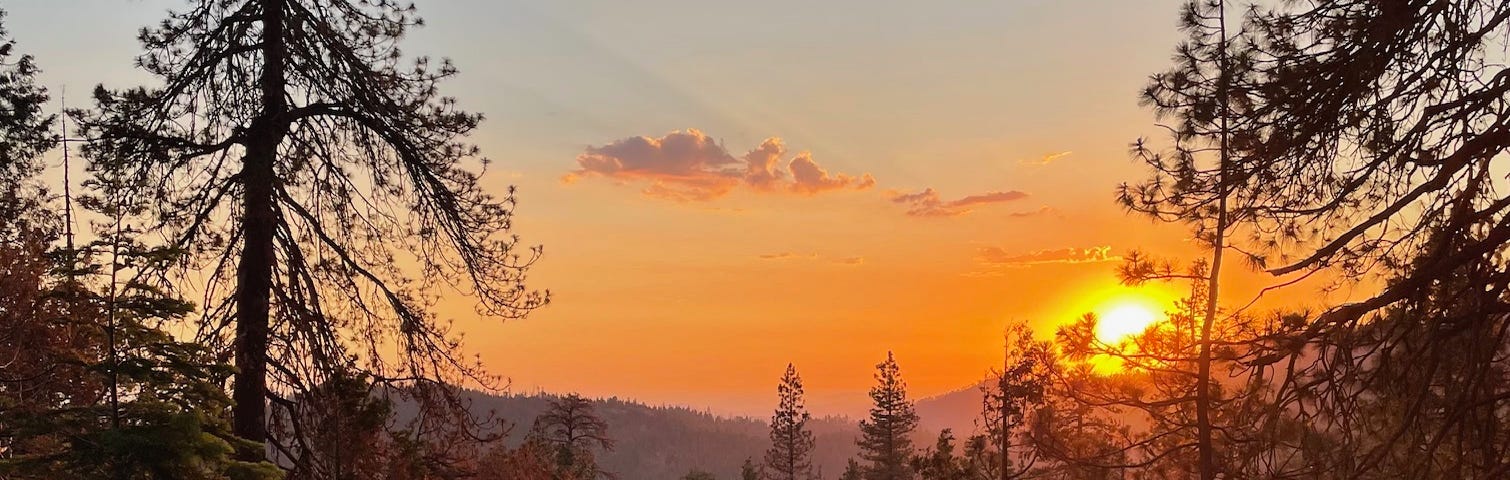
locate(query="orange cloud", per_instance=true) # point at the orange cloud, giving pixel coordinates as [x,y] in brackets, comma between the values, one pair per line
[928,203]
[809,178]
[996,256]
[1047,158]
[689,166]
[847,261]
[1044,210]
[785,256]
[852,261]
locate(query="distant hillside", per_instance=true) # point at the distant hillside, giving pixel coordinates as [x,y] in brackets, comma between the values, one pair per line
[957,410]
[664,443]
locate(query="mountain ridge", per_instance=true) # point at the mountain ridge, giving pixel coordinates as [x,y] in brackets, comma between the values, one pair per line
[665,442]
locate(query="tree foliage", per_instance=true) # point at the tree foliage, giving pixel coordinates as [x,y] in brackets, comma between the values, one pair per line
[940,463]
[1194,182]
[885,441]
[308,167]
[25,132]
[92,385]
[95,387]
[852,471]
[1028,365]
[529,461]
[748,470]
[790,455]
[696,474]
[571,431]
[1364,138]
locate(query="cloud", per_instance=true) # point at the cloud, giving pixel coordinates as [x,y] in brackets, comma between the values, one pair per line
[928,203]
[689,166]
[996,256]
[781,256]
[852,261]
[724,210]
[785,256]
[1044,210]
[1047,158]
[762,165]
[810,178]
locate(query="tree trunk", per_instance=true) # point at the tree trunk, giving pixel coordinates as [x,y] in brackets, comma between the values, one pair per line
[254,274]
[1205,446]
[1001,387]
[1203,388]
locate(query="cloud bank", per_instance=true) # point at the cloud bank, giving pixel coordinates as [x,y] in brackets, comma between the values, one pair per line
[996,256]
[689,166]
[928,203]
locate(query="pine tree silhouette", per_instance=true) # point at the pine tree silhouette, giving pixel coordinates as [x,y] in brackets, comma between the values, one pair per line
[885,441]
[289,152]
[790,455]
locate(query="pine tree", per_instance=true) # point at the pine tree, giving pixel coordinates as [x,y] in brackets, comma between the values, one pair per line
[93,387]
[572,430]
[1019,388]
[1363,139]
[940,463]
[529,461]
[885,441]
[160,394]
[293,156]
[1198,93]
[696,474]
[97,389]
[1377,133]
[1083,441]
[852,471]
[748,470]
[790,455]
[345,431]
[25,131]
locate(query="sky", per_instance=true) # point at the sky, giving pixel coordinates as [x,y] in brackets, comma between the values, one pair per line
[725,187]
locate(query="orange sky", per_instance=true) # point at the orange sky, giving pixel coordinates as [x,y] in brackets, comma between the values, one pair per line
[693,314]
[968,157]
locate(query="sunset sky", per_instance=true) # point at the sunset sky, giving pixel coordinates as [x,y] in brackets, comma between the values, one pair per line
[725,187]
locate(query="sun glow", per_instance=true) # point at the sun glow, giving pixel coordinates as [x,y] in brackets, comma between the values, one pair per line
[1121,313]
[1123,319]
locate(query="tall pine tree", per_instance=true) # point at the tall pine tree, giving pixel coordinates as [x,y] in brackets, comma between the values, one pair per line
[790,455]
[1384,131]
[303,163]
[572,431]
[92,387]
[1358,138]
[1017,391]
[885,441]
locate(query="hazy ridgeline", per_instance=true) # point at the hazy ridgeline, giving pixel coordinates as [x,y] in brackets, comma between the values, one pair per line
[307,185]
[669,441]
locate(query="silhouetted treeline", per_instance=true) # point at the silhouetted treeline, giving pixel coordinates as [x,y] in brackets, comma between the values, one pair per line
[667,442]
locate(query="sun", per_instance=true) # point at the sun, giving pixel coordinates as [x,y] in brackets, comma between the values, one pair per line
[1121,310]
[1122,318]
